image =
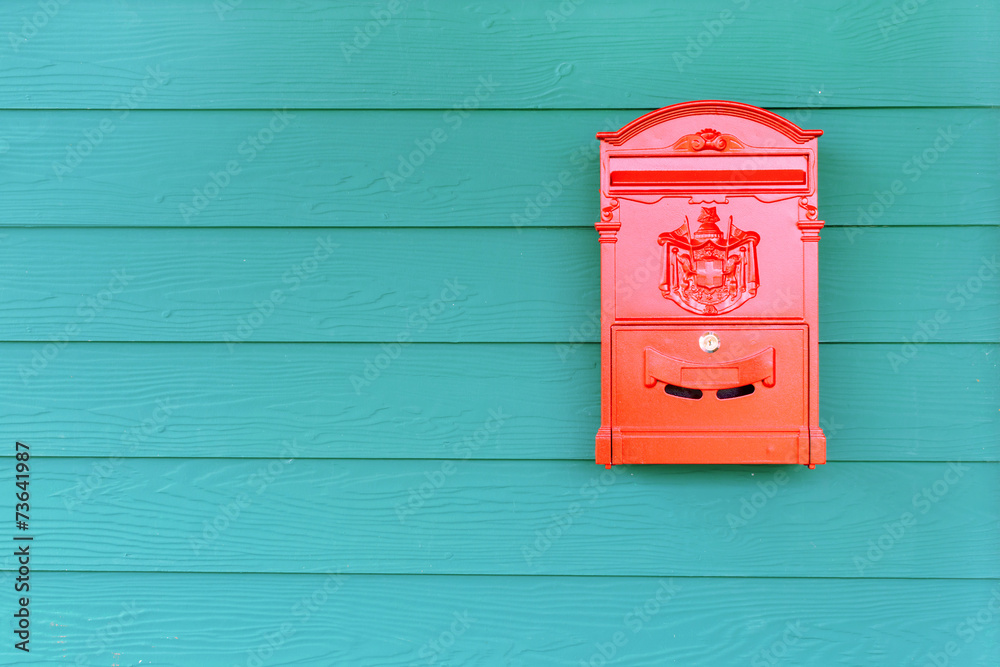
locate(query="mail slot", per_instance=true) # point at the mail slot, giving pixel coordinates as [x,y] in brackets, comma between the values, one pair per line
[709,280]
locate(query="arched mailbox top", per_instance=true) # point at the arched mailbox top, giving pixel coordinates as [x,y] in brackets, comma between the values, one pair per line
[709,146]
[701,108]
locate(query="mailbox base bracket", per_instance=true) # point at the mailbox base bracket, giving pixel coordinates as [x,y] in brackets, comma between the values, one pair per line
[805,447]
[714,448]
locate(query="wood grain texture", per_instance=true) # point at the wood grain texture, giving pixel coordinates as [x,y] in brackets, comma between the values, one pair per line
[943,403]
[432,55]
[191,619]
[515,517]
[203,400]
[334,168]
[447,285]
[897,289]
[191,498]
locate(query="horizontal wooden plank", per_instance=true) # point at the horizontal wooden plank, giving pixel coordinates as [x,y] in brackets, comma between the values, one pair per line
[432,401]
[898,287]
[942,403]
[515,517]
[447,285]
[347,168]
[252,54]
[189,619]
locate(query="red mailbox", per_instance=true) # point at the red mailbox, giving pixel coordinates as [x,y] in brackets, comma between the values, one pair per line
[708,237]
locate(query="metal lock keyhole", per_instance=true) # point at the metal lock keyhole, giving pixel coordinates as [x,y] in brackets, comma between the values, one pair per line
[709,342]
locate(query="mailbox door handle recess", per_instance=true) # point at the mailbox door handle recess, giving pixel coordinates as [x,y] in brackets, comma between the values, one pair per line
[669,370]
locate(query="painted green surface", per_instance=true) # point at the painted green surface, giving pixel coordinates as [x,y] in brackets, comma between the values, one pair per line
[388,620]
[432,55]
[329,168]
[207,400]
[441,285]
[490,517]
[197,619]
[189,493]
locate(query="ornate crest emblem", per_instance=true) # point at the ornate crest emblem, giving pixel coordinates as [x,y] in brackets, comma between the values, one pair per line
[709,271]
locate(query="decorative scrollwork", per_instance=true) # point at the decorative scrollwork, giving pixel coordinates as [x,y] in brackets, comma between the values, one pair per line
[607,227]
[708,139]
[608,211]
[811,212]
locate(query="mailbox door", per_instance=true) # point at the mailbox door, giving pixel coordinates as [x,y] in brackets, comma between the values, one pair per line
[746,402]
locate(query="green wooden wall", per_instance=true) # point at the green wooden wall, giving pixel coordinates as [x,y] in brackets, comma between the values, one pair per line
[298,319]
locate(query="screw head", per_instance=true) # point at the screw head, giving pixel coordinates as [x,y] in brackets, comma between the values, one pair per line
[709,342]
